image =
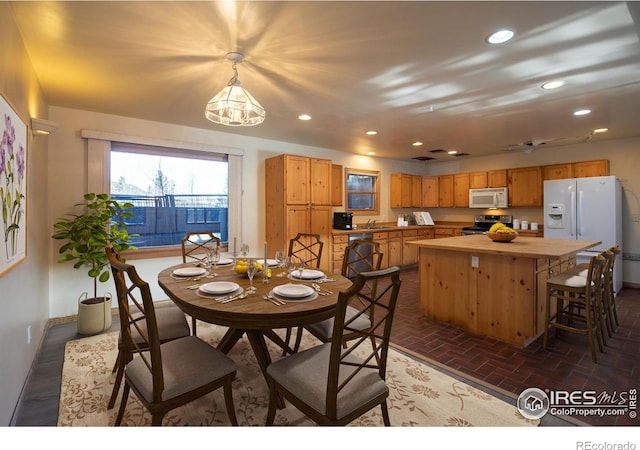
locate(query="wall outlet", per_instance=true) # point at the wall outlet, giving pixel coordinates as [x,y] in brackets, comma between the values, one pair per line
[631,256]
[475,262]
[29,334]
[635,217]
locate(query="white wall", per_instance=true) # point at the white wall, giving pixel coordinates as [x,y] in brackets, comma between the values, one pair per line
[68,182]
[24,296]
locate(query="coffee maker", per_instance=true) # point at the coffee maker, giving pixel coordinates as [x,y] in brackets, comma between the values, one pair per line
[343,220]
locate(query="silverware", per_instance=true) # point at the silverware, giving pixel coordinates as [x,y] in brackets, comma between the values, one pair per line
[235,297]
[320,290]
[194,286]
[273,300]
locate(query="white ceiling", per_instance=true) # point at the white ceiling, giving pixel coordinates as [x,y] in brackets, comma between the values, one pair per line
[411,70]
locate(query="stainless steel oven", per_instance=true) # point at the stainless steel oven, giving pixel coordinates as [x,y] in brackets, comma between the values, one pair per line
[483,222]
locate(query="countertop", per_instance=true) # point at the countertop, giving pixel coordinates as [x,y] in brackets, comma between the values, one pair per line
[392,227]
[529,247]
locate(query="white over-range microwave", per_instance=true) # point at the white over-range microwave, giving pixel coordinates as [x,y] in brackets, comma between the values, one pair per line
[488,198]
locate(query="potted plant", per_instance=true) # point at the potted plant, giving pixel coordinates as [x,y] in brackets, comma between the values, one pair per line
[86,236]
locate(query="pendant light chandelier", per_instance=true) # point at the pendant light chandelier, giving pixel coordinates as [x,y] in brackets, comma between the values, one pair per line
[234,106]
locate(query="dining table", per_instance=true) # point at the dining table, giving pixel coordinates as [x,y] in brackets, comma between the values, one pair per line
[253,315]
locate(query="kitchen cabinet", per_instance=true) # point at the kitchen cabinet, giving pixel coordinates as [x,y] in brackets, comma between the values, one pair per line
[406,191]
[525,186]
[298,200]
[597,168]
[430,192]
[497,178]
[410,252]
[478,180]
[461,190]
[394,248]
[445,191]
[338,246]
[441,231]
[337,180]
[557,171]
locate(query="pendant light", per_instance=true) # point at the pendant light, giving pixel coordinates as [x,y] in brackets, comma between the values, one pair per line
[235,106]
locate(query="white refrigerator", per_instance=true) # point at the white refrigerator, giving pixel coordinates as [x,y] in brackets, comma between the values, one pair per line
[589,209]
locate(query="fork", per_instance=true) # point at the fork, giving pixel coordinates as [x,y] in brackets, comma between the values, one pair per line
[273,300]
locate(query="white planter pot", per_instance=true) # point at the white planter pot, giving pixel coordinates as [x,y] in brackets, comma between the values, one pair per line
[94,314]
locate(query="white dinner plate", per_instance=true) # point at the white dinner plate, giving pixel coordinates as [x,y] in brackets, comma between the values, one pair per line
[307,274]
[219,287]
[308,298]
[272,263]
[225,261]
[189,271]
[293,290]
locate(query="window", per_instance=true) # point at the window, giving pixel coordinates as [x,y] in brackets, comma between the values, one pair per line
[363,191]
[173,192]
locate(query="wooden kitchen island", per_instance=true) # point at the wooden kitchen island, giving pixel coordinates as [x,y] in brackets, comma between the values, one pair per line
[491,288]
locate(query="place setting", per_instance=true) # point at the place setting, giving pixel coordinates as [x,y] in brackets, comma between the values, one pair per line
[221,291]
[189,273]
[293,293]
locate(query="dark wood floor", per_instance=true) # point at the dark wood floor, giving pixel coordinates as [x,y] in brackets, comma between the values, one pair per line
[565,366]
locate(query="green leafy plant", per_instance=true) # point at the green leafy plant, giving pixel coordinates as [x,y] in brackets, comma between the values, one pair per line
[87,235]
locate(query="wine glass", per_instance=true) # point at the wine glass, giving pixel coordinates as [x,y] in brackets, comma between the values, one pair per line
[213,257]
[289,264]
[252,268]
[300,270]
[279,256]
[244,249]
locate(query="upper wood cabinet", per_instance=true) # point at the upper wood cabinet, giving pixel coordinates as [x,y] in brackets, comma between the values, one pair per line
[430,192]
[497,178]
[478,180]
[557,171]
[337,179]
[445,191]
[461,190]
[406,191]
[525,186]
[597,168]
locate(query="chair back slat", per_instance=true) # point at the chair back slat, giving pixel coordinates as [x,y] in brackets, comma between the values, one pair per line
[196,244]
[368,351]
[306,248]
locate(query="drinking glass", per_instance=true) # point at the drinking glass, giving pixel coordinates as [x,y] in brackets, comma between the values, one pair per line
[244,249]
[279,257]
[290,265]
[214,258]
[252,268]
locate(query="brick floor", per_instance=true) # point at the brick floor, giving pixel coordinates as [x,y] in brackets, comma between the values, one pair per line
[565,365]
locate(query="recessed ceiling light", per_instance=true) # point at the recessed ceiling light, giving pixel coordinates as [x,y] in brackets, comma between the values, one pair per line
[417,144]
[452,152]
[371,153]
[553,84]
[500,36]
[371,132]
[304,117]
[600,130]
[582,112]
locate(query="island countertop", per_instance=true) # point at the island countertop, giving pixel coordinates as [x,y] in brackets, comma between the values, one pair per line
[529,247]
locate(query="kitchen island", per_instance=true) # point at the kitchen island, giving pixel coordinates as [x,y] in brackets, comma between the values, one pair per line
[491,288]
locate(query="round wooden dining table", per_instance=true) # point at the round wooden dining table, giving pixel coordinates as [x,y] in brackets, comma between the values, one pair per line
[252,316]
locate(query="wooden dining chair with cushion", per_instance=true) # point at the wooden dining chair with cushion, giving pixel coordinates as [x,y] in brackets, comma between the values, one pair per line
[166,375]
[172,324]
[333,384]
[195,246]
[306,248]
[578,301]
[360,256]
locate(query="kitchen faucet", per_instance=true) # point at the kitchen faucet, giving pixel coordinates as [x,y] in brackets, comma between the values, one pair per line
[371,223]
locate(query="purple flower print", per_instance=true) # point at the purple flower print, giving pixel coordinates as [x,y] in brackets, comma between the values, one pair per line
[20,161]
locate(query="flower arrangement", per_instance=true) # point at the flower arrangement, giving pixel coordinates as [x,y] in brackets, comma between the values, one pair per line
[12,170]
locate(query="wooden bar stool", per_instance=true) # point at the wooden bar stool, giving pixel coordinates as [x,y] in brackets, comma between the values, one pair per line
[569,291]
[611,296]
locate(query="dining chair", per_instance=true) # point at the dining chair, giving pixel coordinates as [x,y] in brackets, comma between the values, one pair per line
[334,384]
[359,256]
[172,324]
[305,249]
[578,301]
[195,245]
[166,375]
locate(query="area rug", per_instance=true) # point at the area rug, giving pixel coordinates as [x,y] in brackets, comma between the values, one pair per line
[420,395]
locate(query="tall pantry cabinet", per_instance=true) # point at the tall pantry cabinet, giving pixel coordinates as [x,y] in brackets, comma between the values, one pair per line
[298,200]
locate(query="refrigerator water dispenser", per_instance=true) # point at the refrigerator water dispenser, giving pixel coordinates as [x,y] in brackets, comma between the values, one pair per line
[555,216]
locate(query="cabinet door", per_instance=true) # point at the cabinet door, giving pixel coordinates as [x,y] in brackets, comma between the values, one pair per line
[525,186]
[337,190]
[297,180]
[320,181]
[430,192]
[478,180]
[382,238]
[497,178]
[395,194]
[598,168]
[409,252]
[297,222]
[320,223]
[406,190]
[557,171]
[445,191]
[461,190]
[416,191]
[395,248]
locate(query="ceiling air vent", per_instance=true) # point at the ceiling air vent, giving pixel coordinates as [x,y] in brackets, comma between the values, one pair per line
[423,158]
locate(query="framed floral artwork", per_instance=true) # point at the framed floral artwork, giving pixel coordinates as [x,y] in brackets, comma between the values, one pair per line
[13,187]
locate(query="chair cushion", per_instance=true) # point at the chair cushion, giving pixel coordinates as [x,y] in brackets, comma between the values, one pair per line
[188,363]
[580,270]
[325,328]
[305,374]
[172,324]
[568,280]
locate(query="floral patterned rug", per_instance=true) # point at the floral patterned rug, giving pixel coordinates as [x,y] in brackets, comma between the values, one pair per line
[419,394]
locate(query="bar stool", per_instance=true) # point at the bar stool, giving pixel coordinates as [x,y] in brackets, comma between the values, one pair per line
[611,255]
[570,291]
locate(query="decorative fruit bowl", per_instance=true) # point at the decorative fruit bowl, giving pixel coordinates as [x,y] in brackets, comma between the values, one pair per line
[241,267]
[502,237]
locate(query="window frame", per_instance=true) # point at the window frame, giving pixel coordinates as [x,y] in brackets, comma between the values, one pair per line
[375,192]
[99,145]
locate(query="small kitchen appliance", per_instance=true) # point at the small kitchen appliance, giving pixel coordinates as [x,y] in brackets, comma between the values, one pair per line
[343,221]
